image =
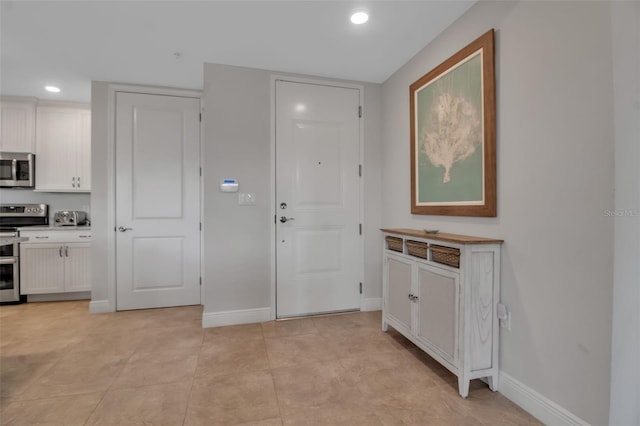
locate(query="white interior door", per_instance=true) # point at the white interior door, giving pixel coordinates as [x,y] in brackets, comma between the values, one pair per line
[317,192]
[157,201]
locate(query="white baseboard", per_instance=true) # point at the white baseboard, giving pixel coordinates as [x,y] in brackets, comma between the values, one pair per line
[99,307]
[372,304]
[244,316]
[539,406]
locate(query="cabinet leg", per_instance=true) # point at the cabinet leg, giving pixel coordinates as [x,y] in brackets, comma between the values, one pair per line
[463,386]
[493,382]
[385,326]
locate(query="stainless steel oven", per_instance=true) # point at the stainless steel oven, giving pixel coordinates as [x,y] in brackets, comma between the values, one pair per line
[17,170]
[11,218]
[9,269]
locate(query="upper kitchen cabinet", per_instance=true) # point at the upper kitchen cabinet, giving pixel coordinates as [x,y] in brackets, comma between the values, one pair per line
[17,124]
[63,148]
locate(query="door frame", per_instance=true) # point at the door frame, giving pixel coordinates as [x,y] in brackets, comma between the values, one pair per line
[112,90]
[274,201]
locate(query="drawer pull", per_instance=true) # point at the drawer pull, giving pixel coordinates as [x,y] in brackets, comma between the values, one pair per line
[38,237]
[84,236]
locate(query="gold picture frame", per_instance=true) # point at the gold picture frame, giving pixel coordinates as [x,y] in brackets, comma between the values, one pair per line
[453,135]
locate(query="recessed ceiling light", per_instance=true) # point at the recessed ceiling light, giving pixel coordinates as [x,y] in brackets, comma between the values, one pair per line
[52,89]
[359,18]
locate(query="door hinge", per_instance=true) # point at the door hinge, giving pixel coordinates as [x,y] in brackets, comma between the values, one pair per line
[201,226]
[200,280]
[201,117]
[360,288]
[360,170]
[360,111]
[200,171]
[360,228]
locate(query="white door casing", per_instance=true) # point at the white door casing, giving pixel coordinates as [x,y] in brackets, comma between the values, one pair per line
[157,143]
[318,257]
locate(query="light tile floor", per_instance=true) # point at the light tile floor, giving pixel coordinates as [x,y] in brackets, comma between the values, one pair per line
[62,366]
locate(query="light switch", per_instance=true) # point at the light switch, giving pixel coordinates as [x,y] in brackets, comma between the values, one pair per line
[246,199]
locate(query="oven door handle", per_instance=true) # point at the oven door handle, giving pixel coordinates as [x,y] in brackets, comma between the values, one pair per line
[14,169]
[8,260]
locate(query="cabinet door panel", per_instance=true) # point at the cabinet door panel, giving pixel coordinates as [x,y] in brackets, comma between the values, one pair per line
[57,139]
[438,309]
[84,166]
[17,126]
[41,268]
[398,304]
[78,267]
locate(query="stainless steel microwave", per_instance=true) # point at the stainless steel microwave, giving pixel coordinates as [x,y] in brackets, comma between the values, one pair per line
[17,170]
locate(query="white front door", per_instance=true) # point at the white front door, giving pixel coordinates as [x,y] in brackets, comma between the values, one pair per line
[317,199]
[157,201]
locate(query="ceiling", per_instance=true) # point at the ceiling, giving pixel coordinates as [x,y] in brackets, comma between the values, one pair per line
[70,43]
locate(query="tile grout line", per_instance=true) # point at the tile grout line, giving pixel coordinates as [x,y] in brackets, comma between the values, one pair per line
[273,382]
[193,379]
[95,408]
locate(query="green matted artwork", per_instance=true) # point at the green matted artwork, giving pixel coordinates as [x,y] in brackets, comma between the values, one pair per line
[453,135]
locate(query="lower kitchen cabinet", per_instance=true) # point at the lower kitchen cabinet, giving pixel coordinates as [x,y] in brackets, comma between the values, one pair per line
[54,265]
[442,293]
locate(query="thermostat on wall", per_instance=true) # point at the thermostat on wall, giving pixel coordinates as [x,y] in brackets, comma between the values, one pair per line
[229,185]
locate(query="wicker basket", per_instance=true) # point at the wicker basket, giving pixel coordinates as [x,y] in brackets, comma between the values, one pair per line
[394,243]
[445,255]
[418,249]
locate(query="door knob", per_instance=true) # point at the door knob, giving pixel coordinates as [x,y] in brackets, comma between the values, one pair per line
[285,219]
[123,229]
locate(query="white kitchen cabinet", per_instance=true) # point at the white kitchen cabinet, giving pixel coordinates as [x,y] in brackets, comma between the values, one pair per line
[63,149]
[17,124]
[78,267]
[55,261]
[447,310]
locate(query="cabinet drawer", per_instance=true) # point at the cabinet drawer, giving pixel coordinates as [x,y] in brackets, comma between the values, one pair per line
[71,236]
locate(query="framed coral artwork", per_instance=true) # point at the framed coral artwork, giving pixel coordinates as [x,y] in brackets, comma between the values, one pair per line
[453,135]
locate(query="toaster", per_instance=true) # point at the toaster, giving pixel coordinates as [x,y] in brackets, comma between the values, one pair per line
[70,218]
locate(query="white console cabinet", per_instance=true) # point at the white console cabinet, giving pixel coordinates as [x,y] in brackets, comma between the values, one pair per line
[55,261]
[446,304]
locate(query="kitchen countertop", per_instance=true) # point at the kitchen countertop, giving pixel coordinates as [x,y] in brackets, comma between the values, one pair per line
[55,228]
[7,241]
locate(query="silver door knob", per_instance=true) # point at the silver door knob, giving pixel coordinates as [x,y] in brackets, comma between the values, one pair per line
[123,229]
[284,219]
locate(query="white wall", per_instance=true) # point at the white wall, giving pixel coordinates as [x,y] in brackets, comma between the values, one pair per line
[237,141]
[625,369]
[555,180]
[100,203]
[236,145]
